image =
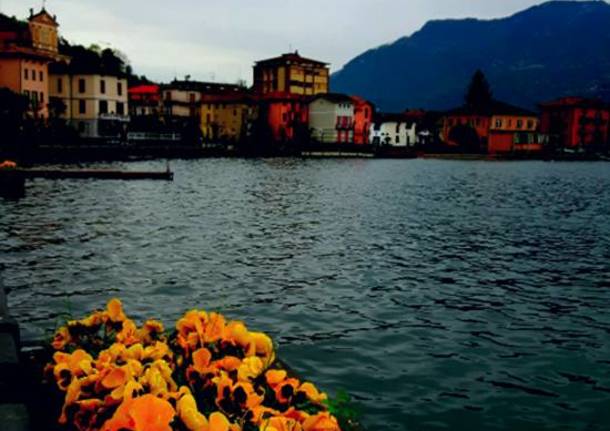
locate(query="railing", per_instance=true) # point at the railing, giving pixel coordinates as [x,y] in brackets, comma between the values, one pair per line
[151,136]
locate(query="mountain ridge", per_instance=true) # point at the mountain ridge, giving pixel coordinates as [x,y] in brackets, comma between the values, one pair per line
[523,56]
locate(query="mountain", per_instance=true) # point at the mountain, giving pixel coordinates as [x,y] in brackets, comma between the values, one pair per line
[555,49]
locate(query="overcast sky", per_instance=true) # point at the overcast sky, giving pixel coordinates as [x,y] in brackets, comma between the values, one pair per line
[220,39]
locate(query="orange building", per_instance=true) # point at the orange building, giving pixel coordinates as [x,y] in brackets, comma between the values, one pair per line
[26,49]
[286,115]
[144,100]
[363,119]
[291,74]
[496,128]
[576,123]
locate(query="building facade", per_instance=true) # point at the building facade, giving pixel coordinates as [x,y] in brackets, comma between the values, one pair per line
[331,119]
[363,120]
[144,100]
[26,49]
[575,123]
[95,104]
[225,118]
[495,128]
[291,74]
[394,130]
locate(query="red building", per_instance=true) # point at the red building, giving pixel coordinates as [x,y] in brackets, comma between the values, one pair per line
[363,119]
[576,123]
[495,128]
[144,100]
[286,115]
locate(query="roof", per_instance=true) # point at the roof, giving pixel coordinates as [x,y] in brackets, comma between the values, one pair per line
[292,57]
[144,89]
[45,16]
[495,107]
[381,118]
[575,102]
[333,97]
[203,87]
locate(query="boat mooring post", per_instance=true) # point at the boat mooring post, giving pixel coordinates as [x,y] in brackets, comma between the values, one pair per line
[12,184]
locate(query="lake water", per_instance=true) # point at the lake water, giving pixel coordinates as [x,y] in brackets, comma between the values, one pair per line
[439,294]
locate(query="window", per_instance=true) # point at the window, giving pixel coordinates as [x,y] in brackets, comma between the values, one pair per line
[120,108]
[498,123]
[82,107]
[235,112]
[27,93]
[35,98]
[530,124]
[41,75]
[26,73]
[192,97]
[398,139]
[519,124]
[168,95]
[41,97]
[119,88]
[103,106]
[60,85]
[397,127]
[81,85]
[103,86]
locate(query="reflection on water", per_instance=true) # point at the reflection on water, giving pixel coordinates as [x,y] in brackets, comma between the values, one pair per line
[441,295]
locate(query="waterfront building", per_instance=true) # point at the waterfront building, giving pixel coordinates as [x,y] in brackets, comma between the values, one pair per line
[225,117]
[495,128]
[95,99]
[331,118]
[576,123]
[144,100]
[394,130]
[291,74]
[363,119]
[26,49]
[285,118]
[182,99]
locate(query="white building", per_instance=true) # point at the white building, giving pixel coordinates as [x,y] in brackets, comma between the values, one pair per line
[331,118]
[95,104]
[394,130]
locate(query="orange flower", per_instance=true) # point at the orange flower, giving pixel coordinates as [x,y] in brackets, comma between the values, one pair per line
[61,338]
[275,377]
[201,360]
[128,334]
[115,311]
[228,363]
[321,422]
[114,378]
[285,390]
[215,328]
[281,423]
[147,413]
[312,393]
[218,422]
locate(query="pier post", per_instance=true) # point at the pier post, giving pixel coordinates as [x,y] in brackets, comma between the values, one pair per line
[12,184]
[13,412]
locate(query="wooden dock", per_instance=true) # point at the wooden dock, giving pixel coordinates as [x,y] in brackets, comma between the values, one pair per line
[12,181]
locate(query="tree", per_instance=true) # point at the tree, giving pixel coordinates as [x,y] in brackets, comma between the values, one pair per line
[466,138]
[479,93]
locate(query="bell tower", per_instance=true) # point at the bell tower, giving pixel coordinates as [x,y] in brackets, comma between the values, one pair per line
[43,28]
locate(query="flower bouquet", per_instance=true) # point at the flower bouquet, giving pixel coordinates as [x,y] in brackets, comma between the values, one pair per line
[208,374]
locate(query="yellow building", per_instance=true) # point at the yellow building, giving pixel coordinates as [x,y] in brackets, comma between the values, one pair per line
[224,118]
[26,49]
[291,74]
[96,104]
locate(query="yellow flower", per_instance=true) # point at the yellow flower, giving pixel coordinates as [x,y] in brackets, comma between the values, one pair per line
[228,363]
[250,368]
[115,311]
[262,345]
[114,378]
[128,334]
[186,409]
